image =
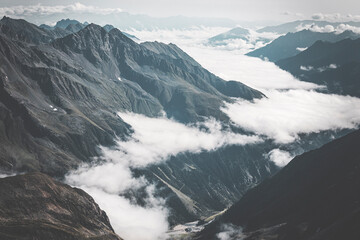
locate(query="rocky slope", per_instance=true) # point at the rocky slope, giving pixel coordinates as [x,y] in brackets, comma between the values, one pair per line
[34,206]
[334,65]
[316,196]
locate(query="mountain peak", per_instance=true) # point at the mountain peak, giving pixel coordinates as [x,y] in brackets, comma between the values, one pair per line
[64,23]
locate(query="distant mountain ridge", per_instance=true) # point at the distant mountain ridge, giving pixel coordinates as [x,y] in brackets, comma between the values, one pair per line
[73,26]
[289,45]
[335,65]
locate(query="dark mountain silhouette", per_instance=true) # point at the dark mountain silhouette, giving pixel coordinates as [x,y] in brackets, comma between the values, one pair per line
[335,65]
[288,45]
[316,196]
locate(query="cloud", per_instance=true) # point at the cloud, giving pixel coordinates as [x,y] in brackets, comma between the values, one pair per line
[39,9]
[338,29]
[230,231]
[301,49]
[153,141]
[306,68]
[279,157]
[245,44]
[5,175]
[295,14]
[129,220]
[251,71]
[320,69]
[286,114]
[335,17]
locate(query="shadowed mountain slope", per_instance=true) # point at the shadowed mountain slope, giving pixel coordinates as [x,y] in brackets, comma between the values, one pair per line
[316,196]
[289,45]
[335,65]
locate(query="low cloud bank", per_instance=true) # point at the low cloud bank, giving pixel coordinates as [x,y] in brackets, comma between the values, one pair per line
[279,157]
[335,17]
[245,43]
[285,114]
[320,69]
[154,140]
[230,232]
[329,28]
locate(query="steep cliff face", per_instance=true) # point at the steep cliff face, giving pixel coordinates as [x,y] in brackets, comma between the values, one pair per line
[34,206]
[316,196]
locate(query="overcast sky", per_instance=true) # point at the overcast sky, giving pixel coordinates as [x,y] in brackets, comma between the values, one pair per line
[245,10]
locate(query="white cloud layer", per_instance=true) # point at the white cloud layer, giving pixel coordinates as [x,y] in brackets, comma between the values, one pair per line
[230,232]
[154,140]
[252,41]
[329,28]
[39,9]
[335,17]
[285,114]
[319,69]
[279,157]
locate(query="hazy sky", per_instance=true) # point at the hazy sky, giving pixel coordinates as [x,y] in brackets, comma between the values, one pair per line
[250,10]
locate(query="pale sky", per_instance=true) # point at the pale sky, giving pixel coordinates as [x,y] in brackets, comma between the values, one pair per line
[245,10]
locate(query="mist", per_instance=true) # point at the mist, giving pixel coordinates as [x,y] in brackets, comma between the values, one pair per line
[154,140]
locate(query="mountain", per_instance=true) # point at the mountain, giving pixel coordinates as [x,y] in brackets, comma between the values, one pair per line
[64,23]
[236,37]
[34,206]
[235,33]
[109,27]
[127,21]
[58,104]
[294,26]
[69,26]
[20,30]
[316,196]
[335,65]
[292,43]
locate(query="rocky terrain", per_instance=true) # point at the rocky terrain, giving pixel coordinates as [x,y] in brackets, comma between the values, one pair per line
[34,206]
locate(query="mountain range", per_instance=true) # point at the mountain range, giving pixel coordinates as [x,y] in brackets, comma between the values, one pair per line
[61,89]
[59,99]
